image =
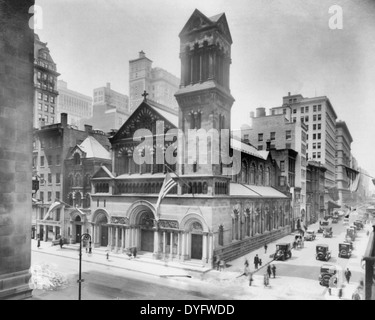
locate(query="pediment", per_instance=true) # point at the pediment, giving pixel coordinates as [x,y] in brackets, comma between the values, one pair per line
[77,150]
[144,117]
[222,24]
[196,21]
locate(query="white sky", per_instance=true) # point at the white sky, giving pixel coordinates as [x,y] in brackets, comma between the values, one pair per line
[278,46]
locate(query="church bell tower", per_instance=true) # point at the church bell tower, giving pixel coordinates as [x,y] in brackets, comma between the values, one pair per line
[204,96]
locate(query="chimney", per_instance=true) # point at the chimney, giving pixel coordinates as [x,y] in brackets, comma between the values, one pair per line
[268,143]
[64,119]
[260,112]
[252,114]
[288,93]
[142,54]
[88,128]
[108,85]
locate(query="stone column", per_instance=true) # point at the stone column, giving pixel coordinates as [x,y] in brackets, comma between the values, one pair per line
[210,248]
[156,244]
[116,239]
[45,235]
[171,246]
[164,244]
[127,237]
[110,238]
[122,239]
[183,246]
[201,67]
[191,68]
[204,249]
[210,65]
[54,233]
[179,245]
[93,238]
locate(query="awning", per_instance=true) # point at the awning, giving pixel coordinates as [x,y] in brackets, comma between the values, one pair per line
[239,189]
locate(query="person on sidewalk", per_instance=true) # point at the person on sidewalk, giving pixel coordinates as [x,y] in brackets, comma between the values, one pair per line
[266,279]
[217,262]
[256,261]
[269,271]
[273,270]
[348,275]
[61,243]
[107,255]
[265,248]
[251,279]
[38,245]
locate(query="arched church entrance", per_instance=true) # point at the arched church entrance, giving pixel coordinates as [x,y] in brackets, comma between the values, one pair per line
[196,230]
[146,223]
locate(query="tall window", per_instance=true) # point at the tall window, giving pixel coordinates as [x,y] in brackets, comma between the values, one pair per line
[49,196]
[260,137]
[319,116]
[49,178]
[319,107]
[42,161]
[273,135]
[58,178]
[282,166]
[288,134]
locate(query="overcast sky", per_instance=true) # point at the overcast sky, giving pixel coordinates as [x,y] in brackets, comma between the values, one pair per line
[278,46]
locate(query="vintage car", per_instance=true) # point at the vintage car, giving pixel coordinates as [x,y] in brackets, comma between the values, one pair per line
[322,252]
[327,232]
[326,272]
[345,250]
[310,235]
[350,242]
[323,224]
[283,251]
[359,224]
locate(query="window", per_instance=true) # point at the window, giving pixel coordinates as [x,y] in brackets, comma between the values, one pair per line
[302,110]
[284,111]
[52,109]
[40,96]
[314,117]
[40,116]
[260,147]
[294,110]
[302,119]
[319,126]
[319,145]
[46,97]
[50,160]
[77,159]
[288,134]
[42,161]
[50,178]
[49,196]
[314,155]
[319,116]
[273,135]
[58,160]
[42,196]
[42,178]
[46,118]
[319,135]
[58,178]
[314,126]
[319,107]
[282,181]
[58,195]
[314,145]
[52,119]
[314,136]
[40,106]
[307,109]
[294,119]
[52,99]
[46,108]
[319,155]
[306,118]
[260,137]
[246,137]
[39,74]
[282,166]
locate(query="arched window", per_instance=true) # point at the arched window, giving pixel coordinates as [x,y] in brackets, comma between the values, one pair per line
[244,172]
[78,199]
[205,188]
[77,159]
[252,173]
[267,177]
[260,176]
[199,187]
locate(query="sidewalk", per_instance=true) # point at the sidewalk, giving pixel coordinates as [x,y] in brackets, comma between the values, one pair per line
[143,263]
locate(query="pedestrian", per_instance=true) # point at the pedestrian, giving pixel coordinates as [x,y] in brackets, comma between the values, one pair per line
[269,271]
[107,255]
[265,248]
[135,252]
[256,261]
[38,245]
[273,270]
[250,279]
[260,262]
[61,243]
[266,279]
[348,274]
[246,267]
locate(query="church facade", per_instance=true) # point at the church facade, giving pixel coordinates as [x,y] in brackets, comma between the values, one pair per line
[208,212]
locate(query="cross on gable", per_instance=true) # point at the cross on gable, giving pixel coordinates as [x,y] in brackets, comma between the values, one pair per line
[144,95]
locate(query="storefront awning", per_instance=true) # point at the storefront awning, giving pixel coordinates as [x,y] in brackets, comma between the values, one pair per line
[239,189]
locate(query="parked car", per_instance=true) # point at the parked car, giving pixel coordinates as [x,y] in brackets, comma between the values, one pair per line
[323,224]
[350,242]
[327,232]
[310,235]
[283,251]
[350,234]
[322,252]
[359,224]
[345,250]
[329,270]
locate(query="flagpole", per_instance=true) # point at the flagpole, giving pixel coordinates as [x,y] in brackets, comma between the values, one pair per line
[185,183]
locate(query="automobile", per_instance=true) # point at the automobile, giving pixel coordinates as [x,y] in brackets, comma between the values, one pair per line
[326,273]
[310,235]
[283,251]
[350,235]
[352,226]
[335,219]
[327,232]
[323,224]
[345,250]
[359,224]
[322,252]
[350,242]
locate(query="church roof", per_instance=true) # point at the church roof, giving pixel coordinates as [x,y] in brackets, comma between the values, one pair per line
[94,149]
[246,148]
[246,190]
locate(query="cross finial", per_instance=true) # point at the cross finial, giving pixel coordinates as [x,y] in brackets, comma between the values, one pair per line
[144,95]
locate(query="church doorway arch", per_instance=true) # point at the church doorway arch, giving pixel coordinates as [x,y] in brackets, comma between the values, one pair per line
[146,224]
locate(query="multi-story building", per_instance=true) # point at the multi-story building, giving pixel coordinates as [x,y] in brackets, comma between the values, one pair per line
[77,105]
[16,113]
[319,116]
[110,109]
[209,211]
[315,191]
[343,154]
[52,145]
[157,82]
[45,81]
[283,134]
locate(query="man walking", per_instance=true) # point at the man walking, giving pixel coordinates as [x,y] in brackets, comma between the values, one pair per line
[61,243]
[265,248]
[256,261]
[273,270]
[348,274]
[269,271]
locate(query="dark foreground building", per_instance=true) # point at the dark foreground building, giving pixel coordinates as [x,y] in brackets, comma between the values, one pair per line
[16,114]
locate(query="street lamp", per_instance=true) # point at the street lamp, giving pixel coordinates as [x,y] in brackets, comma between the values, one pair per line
[84,237]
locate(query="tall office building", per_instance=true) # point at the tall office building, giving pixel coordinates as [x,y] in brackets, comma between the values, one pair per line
[157,82]
[320,117]
[45,81]
[77,105]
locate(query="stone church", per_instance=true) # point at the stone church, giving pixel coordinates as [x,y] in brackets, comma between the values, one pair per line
[207,212]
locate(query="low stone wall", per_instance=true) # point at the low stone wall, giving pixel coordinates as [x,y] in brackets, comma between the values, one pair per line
[242,247]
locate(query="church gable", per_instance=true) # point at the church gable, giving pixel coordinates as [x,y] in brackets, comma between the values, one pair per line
[77,150]
[222,24]
[144,117]
[197,21]
[103,172]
